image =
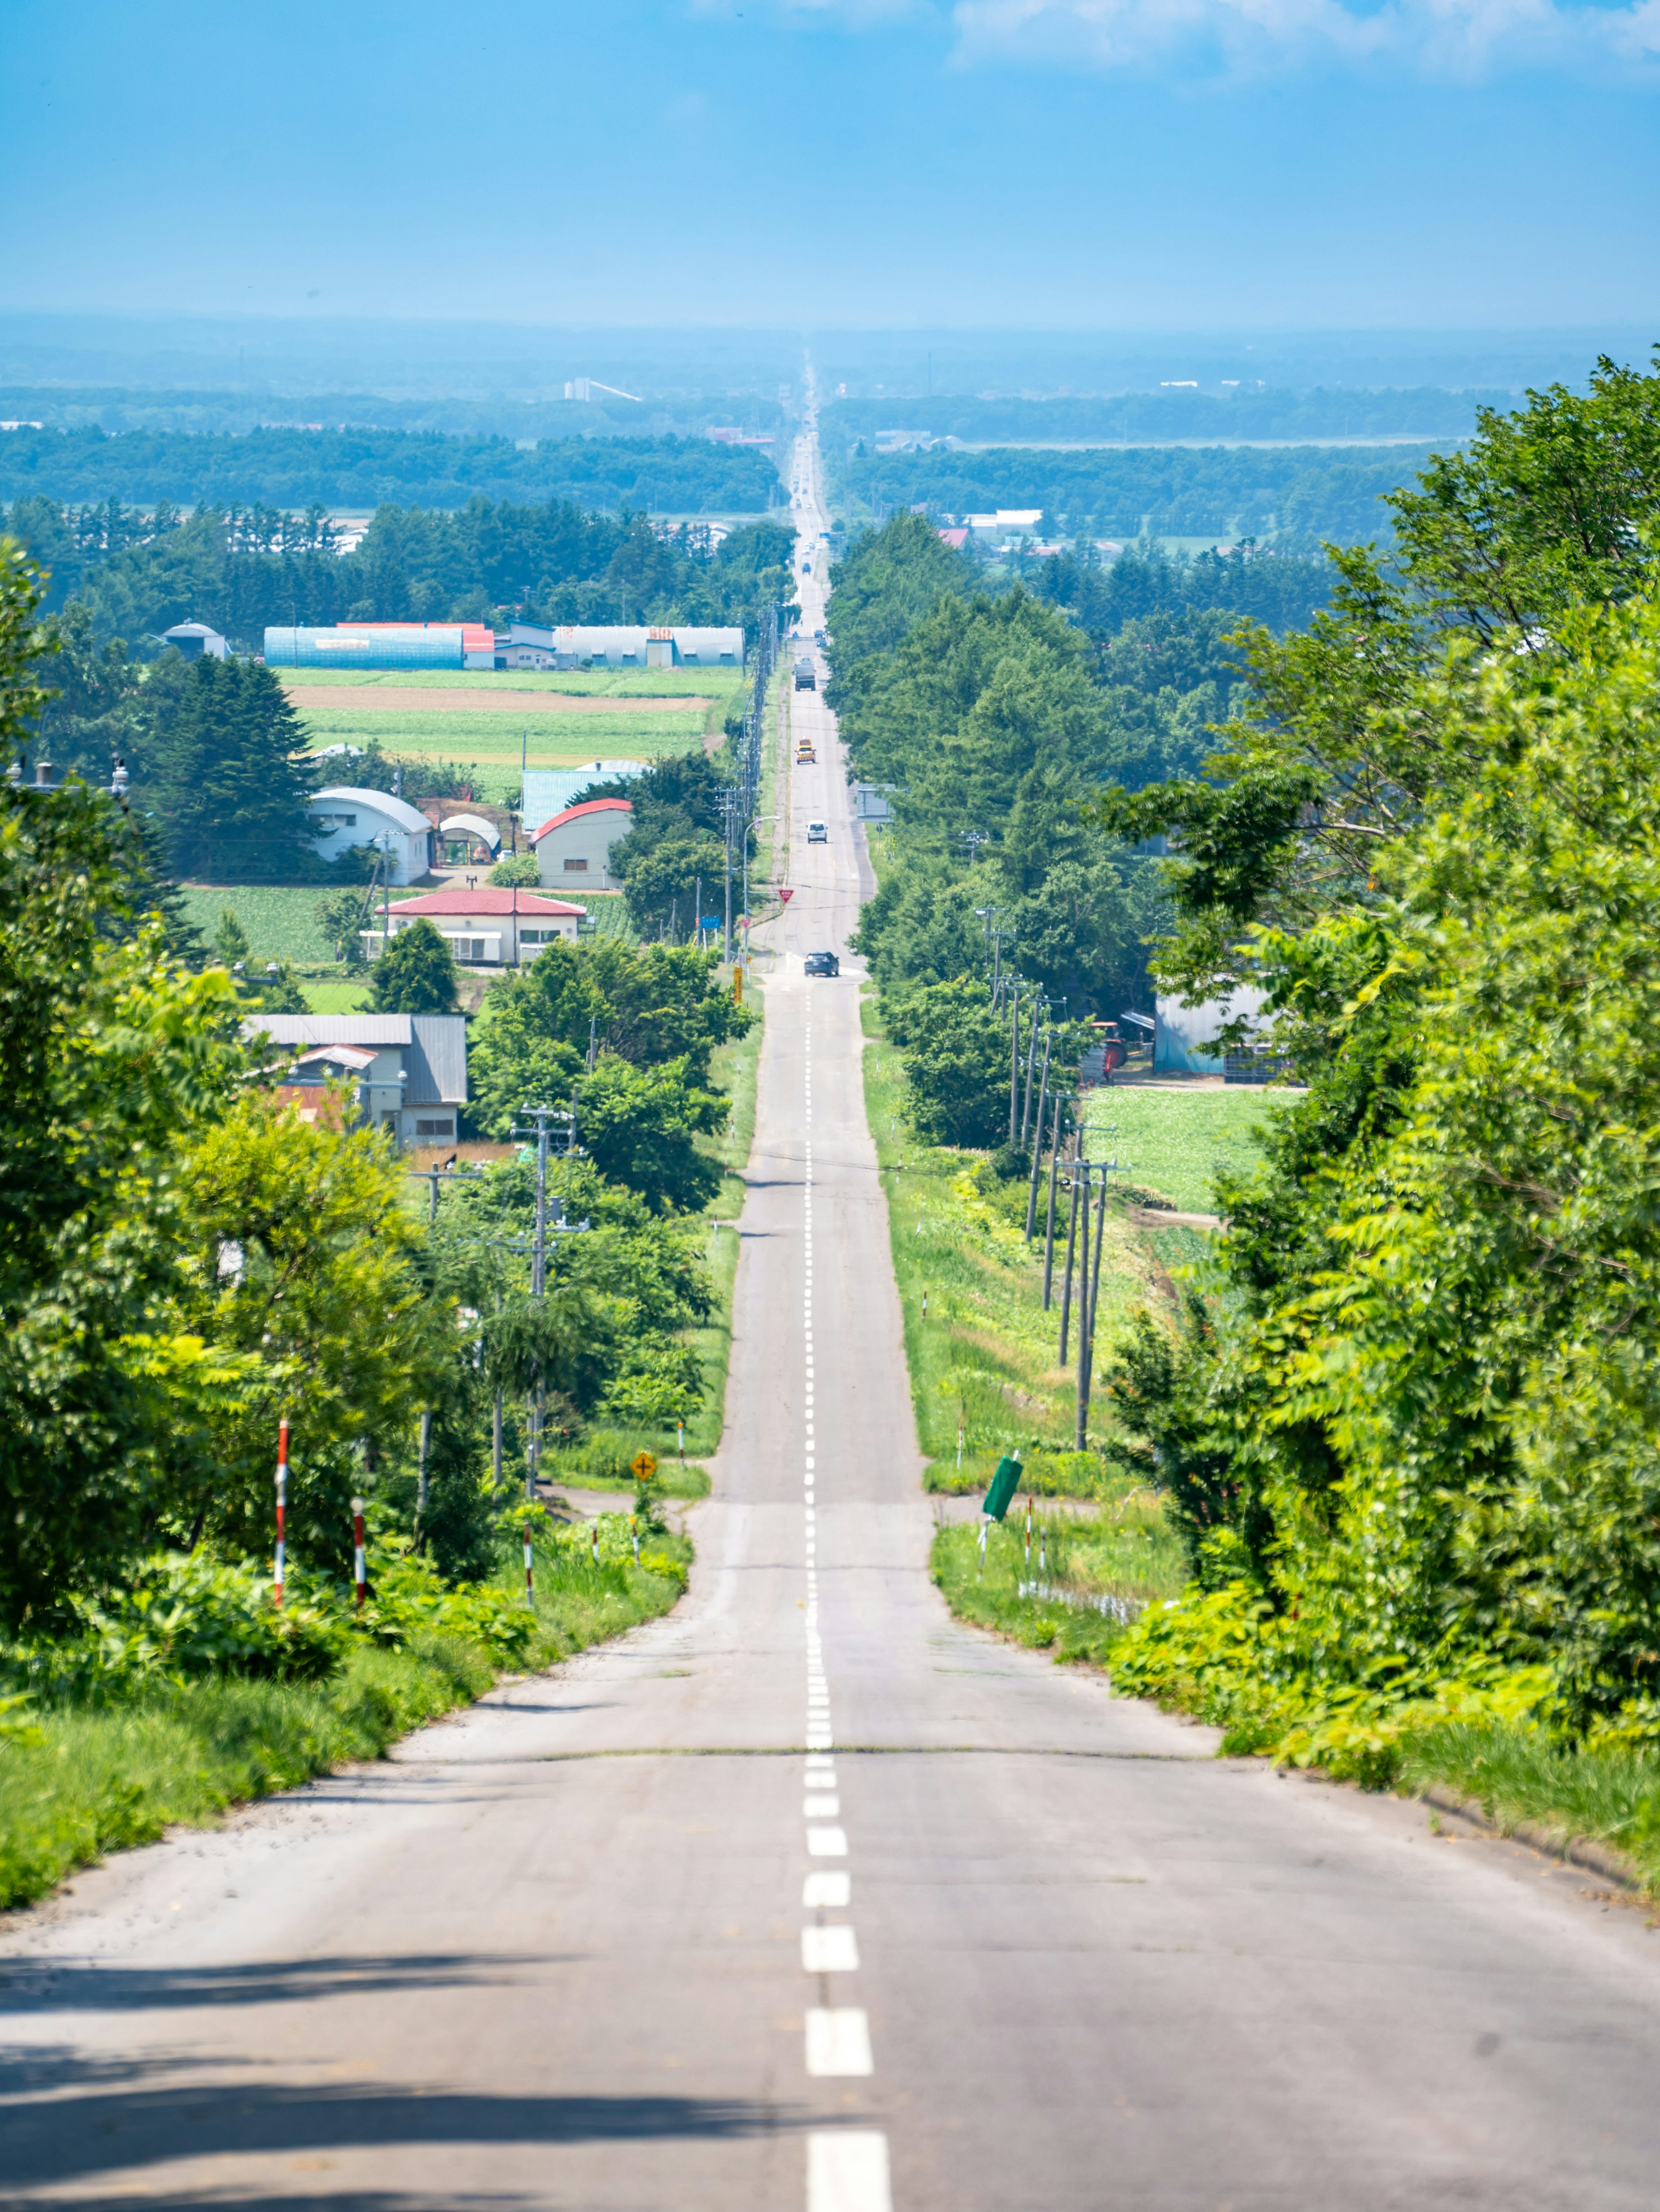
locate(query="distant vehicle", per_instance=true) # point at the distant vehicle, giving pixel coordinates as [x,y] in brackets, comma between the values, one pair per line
[819,638]
[817,834]
[823,963]
[806,675]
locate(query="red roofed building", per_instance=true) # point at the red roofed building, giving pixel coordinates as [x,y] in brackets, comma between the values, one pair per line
[489,926]
[574,848]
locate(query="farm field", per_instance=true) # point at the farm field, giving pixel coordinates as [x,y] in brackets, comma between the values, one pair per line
[412,699]
[575,682]
[280,923]
[1174,1141]
[552,737]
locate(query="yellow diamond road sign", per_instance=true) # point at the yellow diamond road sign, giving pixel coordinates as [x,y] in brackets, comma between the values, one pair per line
[645,1467]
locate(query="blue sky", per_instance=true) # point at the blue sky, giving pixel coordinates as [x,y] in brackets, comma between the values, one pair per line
[1104,164]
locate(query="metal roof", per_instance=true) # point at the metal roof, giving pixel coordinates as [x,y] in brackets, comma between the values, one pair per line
[435,1045]
[407,817]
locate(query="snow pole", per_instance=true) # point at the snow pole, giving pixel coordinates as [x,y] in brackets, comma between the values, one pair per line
[359,1553]
[984,1525]
[281,1503]
[529,1572]
[593,1541]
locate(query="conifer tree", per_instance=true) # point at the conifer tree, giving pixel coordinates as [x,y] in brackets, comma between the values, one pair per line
[231,779]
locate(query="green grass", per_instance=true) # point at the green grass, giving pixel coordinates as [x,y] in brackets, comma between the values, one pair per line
[1517,1774]
[576,684]
[1174,1141]
[338,998]
[1127,1552]
[553,739]
[109,1777]
[280,923]
[985,1354]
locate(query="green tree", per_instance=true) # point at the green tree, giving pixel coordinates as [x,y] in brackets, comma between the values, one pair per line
[230,773]
[518,868]
[111,1059]
[230,939]
[956,1058]
[341,917]
[416,973]
[640,1126]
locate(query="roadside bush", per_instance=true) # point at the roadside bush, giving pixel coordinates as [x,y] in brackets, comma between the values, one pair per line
[184,1616]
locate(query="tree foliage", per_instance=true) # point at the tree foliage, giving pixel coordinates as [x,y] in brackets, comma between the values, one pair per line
[415,973]
[1427,1370]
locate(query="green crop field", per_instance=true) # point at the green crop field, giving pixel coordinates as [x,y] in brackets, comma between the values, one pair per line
[576,683]
[282,925]
[1174,1141]
[552,737]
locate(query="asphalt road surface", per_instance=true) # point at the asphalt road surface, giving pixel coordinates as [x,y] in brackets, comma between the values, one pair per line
[806,1896]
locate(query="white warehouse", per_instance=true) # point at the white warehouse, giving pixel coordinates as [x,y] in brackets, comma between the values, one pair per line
[342,816]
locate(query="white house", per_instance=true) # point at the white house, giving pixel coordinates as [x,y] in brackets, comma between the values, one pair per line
[342,816]
[491,926]
[408,1071]
[574,848]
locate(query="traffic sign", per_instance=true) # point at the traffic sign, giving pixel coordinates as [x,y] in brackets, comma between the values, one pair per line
[643,1466]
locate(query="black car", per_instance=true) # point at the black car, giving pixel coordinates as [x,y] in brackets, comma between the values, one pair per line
[823,963]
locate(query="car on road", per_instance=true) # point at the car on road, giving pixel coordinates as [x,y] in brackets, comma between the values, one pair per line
[823,963]
[817,834]
[806,676]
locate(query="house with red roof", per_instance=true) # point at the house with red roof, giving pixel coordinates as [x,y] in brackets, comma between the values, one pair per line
[491,926]
[573,847]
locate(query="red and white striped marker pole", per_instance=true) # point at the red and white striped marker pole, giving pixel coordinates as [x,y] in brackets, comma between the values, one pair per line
[530,1578]
[281,1503]
[593,1541]
[360,1554]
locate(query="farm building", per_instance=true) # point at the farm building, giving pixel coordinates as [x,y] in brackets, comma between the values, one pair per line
[574,848]
[549,789]
[408,1071]
[528,644]
[193,640]
[383,645]
[487,927]
[342,816]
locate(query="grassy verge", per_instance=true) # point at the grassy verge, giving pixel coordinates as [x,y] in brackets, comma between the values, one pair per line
[1070,1583]
[104,1778]
[983,1358]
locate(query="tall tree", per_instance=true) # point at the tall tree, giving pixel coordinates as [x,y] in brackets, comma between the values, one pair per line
[231,776]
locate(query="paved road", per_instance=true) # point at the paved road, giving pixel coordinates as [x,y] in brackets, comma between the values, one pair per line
[805,1896]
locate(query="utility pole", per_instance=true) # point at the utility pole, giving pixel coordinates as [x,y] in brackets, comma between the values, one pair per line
[973,839]
[542,1120]
[1037,1136]
[1014,1063]
[1049,1228]
[1025,1095]
[1071,1243]
[1084,1316]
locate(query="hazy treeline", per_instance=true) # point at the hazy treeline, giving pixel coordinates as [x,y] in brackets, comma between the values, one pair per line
[1124,416]
[551,562]
[1281,590]
[1300,491]
[119,407]
[362,467]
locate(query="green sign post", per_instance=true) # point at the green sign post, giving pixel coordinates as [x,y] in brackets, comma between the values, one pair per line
[1004,1483]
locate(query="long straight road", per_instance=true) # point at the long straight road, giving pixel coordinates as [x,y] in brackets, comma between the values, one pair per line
[806,1896]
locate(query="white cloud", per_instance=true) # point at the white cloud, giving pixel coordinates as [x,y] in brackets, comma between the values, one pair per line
[1455,38]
